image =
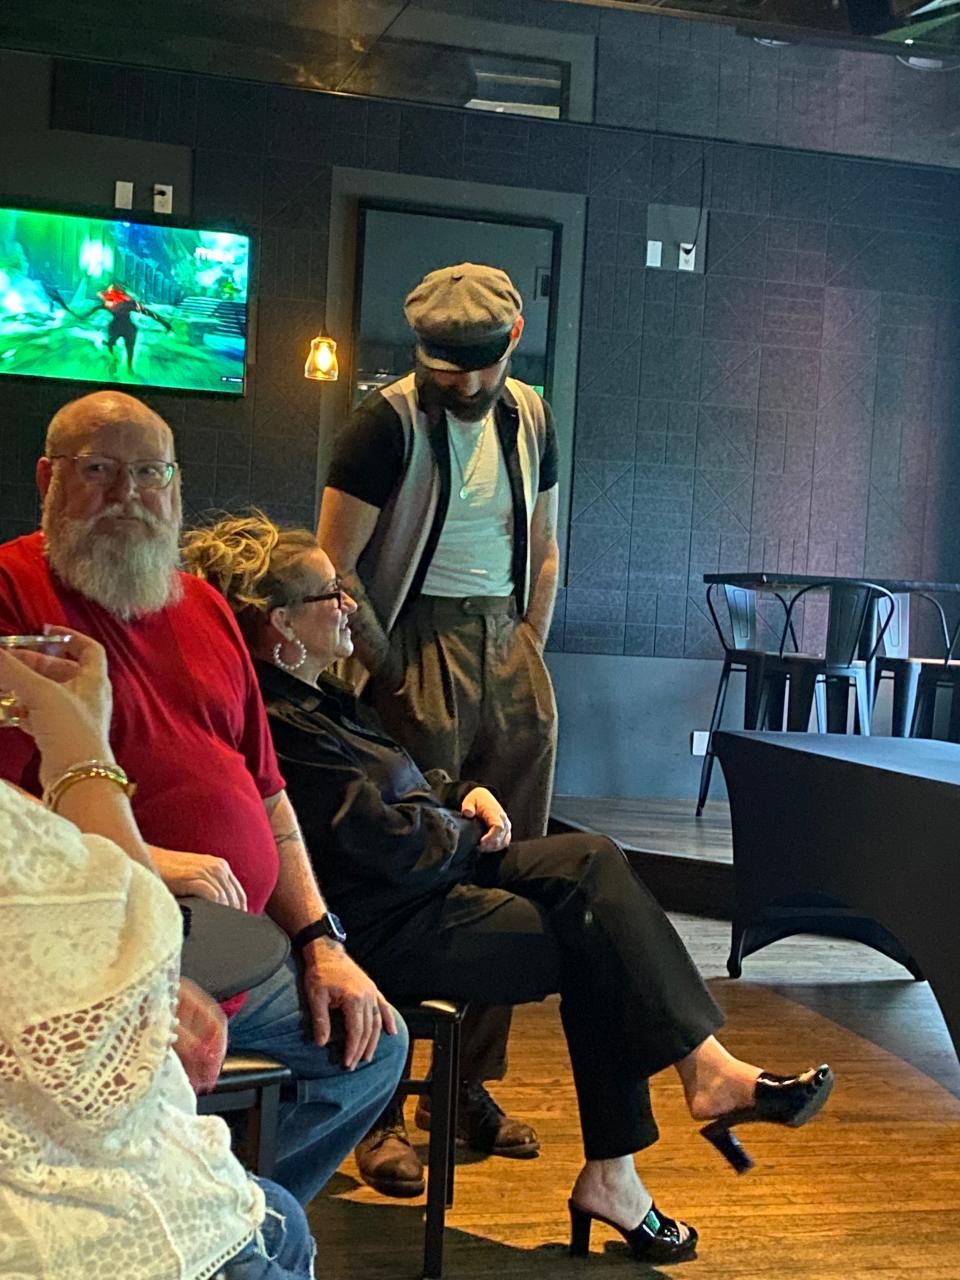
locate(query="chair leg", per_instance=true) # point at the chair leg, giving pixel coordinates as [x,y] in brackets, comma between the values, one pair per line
[454,1109]
[262,1130]
[862,687]
[922,726]
[773,701]
[442,1101]
[820,697]
[735,958]
[706,769]
[753,694]
[905,683]
[953,726]
[802,686]
[838,703]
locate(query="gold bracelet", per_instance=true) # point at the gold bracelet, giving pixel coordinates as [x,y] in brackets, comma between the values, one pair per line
[105,769]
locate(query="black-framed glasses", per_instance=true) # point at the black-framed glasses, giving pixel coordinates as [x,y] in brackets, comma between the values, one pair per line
[103,471]
[337,593]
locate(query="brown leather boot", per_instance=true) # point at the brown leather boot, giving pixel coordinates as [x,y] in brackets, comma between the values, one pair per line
[386,1160]
[484,1126]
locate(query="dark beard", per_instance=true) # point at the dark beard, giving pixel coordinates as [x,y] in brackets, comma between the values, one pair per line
[467,409]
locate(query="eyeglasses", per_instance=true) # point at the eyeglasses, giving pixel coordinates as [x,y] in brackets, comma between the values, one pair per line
[337,594]
[97,469]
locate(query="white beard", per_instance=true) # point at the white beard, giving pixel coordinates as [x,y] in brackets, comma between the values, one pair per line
[129,574]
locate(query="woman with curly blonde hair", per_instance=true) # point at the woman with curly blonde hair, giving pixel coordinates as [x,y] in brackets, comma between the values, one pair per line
[437,901]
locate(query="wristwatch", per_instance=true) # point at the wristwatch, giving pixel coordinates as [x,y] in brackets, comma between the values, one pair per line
[328,926]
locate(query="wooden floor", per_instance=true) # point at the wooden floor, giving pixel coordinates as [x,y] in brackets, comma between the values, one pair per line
[869,1191]
[655,825]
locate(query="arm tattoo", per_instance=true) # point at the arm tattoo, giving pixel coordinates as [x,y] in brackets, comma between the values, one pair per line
[287,837]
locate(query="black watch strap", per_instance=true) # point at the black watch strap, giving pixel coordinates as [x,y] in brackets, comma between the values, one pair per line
[328,926]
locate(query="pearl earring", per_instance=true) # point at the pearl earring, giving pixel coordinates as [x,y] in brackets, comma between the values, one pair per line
[301,654]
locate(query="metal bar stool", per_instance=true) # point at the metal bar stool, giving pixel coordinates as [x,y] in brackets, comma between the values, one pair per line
[828,676]
[439,1022]
[765,685]
[250,1083]
[934,674]
[906,669]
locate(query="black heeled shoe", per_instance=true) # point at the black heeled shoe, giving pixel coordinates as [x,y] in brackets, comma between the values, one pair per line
[789,1100]
[656,1239]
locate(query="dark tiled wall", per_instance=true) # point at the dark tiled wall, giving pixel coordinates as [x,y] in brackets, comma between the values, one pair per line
[796,407]
[677,76]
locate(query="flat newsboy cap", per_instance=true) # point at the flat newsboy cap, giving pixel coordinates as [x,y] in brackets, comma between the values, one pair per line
[463,316]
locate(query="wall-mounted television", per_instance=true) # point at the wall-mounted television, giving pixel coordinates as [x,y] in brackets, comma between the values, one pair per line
[120,301]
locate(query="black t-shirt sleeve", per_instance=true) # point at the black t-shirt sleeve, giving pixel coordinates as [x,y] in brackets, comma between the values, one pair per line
[550,461]
[368,452]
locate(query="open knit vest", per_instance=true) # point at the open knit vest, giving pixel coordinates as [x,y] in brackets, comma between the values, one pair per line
[105,1167]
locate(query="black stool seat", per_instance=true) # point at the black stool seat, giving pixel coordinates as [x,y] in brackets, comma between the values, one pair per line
[245,1071]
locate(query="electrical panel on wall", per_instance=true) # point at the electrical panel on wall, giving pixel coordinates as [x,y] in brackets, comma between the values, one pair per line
[676,237]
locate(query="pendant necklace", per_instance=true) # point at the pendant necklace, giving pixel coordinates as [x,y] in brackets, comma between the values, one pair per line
[466,477]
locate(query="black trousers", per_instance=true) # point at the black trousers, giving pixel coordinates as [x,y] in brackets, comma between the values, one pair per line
[567,914]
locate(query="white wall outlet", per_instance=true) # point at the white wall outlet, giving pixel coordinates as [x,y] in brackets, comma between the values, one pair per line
[654,253]
[162,197]
[123,195]
[699,741]
[688,258]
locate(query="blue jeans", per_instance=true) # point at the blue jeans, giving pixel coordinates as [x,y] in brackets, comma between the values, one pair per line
[324,1110]
[284,1249]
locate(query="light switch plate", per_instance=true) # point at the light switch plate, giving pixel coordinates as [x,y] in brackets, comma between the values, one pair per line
[123,195]
[654,253]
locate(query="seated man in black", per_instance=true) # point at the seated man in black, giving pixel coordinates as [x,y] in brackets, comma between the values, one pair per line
[437,902]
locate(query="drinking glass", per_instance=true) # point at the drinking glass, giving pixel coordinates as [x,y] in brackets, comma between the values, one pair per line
[51,645]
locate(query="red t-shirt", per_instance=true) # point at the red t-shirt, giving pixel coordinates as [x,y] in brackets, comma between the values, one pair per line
[188,721]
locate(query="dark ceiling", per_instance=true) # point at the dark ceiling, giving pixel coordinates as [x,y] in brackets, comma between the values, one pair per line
[371,47]
[897,25]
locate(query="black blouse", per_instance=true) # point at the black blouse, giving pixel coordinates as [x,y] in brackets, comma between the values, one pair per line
[387,842]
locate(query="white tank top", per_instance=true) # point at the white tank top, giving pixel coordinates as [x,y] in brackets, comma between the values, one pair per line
[474,554]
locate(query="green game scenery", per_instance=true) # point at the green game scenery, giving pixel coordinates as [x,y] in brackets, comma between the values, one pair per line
[101,300]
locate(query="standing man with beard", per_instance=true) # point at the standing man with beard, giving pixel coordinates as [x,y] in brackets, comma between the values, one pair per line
[189,727]
[440,515]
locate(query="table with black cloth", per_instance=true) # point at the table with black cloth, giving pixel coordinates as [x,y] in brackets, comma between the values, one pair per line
[850,837]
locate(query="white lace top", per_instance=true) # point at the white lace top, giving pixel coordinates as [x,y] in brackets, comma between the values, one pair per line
[105,1167]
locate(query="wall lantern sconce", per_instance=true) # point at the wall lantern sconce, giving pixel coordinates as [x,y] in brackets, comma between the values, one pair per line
[321,363]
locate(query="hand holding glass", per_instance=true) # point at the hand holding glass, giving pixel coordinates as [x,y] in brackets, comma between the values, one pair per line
[53,646]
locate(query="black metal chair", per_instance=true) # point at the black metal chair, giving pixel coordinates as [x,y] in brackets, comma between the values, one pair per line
[852,614]
[905,670]
[932,675]
[765,682]
[250,1083]
[438,1021]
